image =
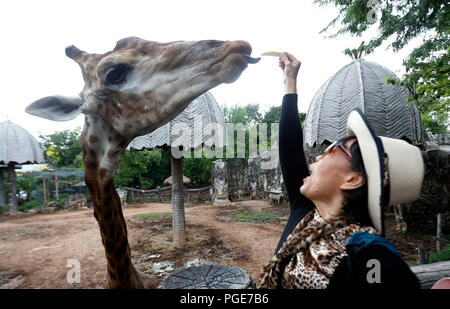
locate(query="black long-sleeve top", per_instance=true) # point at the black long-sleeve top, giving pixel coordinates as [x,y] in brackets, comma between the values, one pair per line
[352,271]
[293,163]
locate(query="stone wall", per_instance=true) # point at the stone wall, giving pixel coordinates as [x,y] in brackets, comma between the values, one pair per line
[256,178]
[420,215]
[233,180]
[437,141]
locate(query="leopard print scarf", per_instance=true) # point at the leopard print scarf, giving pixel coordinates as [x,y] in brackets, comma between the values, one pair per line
[310,254]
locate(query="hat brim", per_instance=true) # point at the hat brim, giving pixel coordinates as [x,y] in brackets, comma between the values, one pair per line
[372,154]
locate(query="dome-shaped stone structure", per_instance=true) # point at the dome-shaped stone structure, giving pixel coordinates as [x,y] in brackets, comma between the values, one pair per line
[202,113]
[18,146]
[361,84]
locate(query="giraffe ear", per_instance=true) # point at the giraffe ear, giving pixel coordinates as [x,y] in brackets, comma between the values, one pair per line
[58,108]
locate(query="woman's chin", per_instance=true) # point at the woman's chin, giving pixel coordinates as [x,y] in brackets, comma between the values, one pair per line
[303,191]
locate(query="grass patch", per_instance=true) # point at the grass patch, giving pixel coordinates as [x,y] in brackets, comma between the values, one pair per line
[153,216]
[444,255]
[258,217]
[423,235]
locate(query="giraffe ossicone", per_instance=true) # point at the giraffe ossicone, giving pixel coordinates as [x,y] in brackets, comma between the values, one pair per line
[130,91]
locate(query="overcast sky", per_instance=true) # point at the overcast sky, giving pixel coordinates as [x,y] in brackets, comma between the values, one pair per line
[35,33]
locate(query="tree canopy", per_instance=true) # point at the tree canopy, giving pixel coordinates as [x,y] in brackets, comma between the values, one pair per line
[61,148]
[147,169]
[398,22]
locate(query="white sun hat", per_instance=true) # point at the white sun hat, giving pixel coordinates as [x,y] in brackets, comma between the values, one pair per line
[394,168]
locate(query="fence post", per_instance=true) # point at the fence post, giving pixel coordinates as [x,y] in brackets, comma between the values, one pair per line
[422,255]
[56,184]
[438,233]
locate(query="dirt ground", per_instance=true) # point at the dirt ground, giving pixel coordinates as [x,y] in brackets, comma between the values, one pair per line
[36,249]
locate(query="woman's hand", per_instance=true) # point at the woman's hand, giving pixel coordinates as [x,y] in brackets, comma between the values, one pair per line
[290,66]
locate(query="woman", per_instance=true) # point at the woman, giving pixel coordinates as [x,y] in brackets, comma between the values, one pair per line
[336,204]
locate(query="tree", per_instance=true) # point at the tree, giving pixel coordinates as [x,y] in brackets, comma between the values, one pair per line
[273,114]
[142,169]
[253,114]
[61,148]
[428,66]
[198,169]
[356,53]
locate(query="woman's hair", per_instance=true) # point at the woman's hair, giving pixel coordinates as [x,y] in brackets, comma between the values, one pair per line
[355,206]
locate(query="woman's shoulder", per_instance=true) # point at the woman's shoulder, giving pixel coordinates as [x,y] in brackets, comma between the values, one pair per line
[373,261]
[363,240]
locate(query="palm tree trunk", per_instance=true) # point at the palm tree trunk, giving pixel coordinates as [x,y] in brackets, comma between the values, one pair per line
[178,220]
[12,189]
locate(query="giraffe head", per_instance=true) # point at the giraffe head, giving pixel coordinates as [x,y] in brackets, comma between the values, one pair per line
[141,85]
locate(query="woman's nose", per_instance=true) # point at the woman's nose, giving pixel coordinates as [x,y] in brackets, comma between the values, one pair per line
[318,158]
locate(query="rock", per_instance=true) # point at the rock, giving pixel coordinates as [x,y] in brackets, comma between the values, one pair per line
[260,174]
[75,201]
[219,189]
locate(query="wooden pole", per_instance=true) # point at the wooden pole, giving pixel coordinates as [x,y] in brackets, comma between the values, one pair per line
[438,233]
[422,255]
[44,191]
[56,184]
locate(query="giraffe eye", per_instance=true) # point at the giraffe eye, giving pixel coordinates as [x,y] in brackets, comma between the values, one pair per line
[117,74]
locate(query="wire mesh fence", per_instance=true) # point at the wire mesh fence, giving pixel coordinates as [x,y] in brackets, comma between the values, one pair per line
[44,187]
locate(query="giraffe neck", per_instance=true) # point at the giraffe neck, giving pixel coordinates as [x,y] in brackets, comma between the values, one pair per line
[102,149]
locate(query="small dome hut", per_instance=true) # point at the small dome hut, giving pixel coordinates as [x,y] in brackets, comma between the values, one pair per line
[17,146]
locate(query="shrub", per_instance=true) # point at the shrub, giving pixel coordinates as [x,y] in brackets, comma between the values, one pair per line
[444,255]
[29,205]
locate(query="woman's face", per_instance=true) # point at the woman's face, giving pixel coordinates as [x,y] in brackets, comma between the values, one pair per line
[330,174]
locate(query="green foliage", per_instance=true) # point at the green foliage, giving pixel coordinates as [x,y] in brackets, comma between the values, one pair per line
[444,255]
[258,217]
[356,53]
[78,161]
[148,169]
[273,114]
[434,125]
[153,216]
[29,205]
[428,66]
[61,148]
[27,183]
[142,169]
[197,169]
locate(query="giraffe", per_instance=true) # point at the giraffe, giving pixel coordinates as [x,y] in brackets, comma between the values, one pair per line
[130,91]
